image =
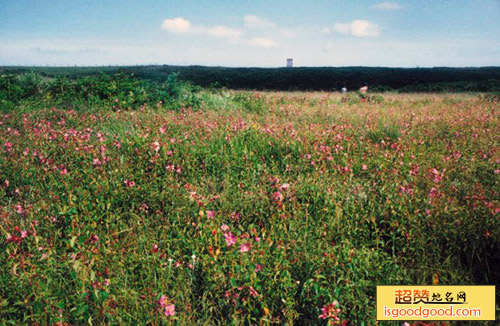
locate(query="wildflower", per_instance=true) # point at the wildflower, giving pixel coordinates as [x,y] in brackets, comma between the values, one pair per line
[252,291]
[19,209]
[245,247]
[8,146]
[162,130]
[224,227]
[278,196]
[210,215]
[169,310]
[437,176]
[433,193]
[155,249]
[258,267]
[330,311]
[64,171]
[129,184]
[94,238]
[414,169]
[364,167]
[284,187]
[230,239]
[163,301]
[156,146]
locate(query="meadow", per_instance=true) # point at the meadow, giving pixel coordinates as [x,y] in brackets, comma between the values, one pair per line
[243,208]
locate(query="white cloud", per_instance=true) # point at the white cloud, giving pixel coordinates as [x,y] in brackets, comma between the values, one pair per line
[386,5]
[181,25]
[254,22]
[177,25]
[358,28]
[263,42]
[222,32]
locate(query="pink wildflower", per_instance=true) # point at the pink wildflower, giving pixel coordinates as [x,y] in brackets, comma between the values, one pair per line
[230,239]
[8,146]
[156,146]
[284,187]
[330,311]
[169,310]
[245,247]
[278,196]
[211,215]
[163,301]
[414,169]
[253,293]
[129,184]
[437,176]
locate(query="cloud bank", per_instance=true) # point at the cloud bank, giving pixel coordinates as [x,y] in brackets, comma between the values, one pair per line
[180,25]
[357,28]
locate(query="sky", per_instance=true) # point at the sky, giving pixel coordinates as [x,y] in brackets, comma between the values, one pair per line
[250,33]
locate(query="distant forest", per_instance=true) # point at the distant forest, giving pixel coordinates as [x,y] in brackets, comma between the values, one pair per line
[440,79]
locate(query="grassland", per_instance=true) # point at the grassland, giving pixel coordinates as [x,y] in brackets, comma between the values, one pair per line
[252,208]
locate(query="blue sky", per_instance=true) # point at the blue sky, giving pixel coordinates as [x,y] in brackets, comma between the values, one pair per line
[405,33]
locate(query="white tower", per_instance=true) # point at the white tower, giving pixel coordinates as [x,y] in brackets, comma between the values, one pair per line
[289,63]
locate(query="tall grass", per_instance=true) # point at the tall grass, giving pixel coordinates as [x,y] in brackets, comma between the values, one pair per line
[248,208]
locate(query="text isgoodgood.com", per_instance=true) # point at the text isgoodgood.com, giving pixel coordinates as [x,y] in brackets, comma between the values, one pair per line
[431,312]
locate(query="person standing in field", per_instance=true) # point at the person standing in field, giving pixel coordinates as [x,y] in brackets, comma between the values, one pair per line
[363,89]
